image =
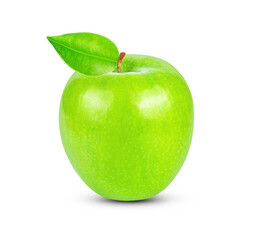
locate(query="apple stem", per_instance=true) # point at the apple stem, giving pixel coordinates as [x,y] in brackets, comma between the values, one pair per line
[119,62]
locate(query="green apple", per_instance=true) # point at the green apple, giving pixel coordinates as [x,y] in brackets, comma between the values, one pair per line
[127,133]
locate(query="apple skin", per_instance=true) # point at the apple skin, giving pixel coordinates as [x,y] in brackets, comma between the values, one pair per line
[127,134]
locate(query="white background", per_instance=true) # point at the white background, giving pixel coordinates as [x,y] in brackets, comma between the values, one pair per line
[210,42]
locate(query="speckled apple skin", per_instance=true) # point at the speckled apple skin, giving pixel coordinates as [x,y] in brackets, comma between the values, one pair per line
[127,134]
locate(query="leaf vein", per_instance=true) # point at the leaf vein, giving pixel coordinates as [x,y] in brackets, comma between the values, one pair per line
[90,55]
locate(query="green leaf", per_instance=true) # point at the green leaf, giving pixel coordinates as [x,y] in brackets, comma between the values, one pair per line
[87,53]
